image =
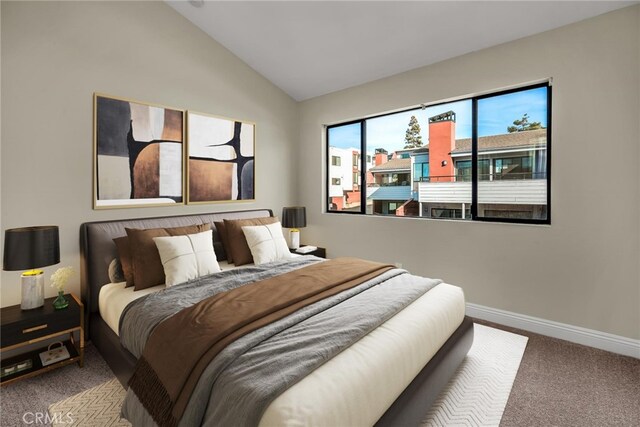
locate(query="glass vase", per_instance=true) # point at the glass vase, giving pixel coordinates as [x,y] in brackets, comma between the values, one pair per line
[60,302]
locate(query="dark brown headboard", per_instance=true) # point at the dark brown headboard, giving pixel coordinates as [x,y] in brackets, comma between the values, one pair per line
[97,248]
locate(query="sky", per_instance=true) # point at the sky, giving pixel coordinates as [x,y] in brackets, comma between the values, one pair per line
[494,115]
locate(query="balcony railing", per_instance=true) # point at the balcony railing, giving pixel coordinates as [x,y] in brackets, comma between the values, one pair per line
[505,191]
[388,184]
[486,177]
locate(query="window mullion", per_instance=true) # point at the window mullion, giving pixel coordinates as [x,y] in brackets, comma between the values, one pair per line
[474,158]
[363,167]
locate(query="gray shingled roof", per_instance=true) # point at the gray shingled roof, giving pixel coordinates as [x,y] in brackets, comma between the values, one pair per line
[528,138]
[393,164]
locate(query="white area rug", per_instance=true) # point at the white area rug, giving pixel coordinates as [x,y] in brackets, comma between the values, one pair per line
[478,392]
[475,396]
[98,406]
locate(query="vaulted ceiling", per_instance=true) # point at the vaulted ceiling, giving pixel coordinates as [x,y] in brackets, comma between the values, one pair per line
[314,48]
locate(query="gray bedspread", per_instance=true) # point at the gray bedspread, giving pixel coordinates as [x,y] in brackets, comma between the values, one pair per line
[241,382]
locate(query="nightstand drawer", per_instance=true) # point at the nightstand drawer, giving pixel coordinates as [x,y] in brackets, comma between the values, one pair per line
[39,326]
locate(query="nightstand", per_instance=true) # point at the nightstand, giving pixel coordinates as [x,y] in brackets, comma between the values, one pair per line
[320,252]
[22,328]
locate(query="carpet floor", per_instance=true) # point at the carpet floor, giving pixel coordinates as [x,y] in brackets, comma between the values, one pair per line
[476,395]
[32,396]
[558,384]
[565,384]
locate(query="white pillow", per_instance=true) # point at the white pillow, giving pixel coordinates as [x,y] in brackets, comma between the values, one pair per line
[266,243]
[187,257]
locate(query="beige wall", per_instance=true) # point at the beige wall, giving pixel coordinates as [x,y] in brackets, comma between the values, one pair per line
[583,269]
[56,54]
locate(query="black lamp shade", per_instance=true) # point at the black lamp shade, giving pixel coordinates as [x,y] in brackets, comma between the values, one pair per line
[31,247]
[294,217]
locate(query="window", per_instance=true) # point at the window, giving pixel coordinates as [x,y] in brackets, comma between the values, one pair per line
[420,167]
[518,186]
[513,213]
[464,170]
[483,158]
[381,207]
[446,213]
[513,168]
[343,189]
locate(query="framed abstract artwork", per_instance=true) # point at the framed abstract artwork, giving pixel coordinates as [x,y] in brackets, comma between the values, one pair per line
[221,159]
[139,154]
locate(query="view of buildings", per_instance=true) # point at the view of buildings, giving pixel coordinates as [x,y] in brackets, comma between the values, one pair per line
[345,178]
[433,180]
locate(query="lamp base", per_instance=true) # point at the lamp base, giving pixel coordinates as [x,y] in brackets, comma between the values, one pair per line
[32,289]
[294,238]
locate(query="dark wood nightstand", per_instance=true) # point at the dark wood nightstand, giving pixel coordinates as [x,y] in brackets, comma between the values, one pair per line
[21,328]
[320,252]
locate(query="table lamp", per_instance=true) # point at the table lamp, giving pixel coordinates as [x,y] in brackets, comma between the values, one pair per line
[30,248]
[294,217]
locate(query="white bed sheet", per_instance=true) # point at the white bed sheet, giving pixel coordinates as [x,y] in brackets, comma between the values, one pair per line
[114,297]
[357,386]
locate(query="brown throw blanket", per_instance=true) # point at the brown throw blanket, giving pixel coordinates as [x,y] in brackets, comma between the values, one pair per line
[181,347]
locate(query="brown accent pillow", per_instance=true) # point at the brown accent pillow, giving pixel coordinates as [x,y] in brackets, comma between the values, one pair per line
[222,233]
[145,258]
[238,246]
[122,244]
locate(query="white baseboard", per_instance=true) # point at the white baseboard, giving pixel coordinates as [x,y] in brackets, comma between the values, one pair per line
[576,334]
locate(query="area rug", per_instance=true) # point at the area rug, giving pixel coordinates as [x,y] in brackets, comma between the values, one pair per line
[98,406]
[475,396]
[478,392]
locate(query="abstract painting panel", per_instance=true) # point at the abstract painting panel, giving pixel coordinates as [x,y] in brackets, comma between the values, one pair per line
[139,154]
[220,159]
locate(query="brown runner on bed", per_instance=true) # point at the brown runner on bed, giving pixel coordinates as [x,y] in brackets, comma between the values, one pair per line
[182,346]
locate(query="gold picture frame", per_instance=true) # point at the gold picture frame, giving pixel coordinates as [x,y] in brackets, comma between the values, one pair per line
[220,159]
[139,153]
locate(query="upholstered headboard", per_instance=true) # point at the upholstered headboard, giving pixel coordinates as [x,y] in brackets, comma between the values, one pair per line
[97,248]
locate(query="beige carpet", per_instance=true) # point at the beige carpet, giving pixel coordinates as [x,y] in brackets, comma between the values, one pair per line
[560,383]
[476,395]
[478,392]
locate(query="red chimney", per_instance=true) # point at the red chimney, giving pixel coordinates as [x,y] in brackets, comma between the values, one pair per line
[381,156]
[442,140]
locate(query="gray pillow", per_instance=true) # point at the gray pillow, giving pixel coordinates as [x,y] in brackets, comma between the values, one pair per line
[116,274]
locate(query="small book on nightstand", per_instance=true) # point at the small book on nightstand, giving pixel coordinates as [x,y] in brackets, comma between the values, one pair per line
[53,355]
[306,249]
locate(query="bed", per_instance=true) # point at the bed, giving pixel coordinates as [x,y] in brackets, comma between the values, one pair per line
[409,387]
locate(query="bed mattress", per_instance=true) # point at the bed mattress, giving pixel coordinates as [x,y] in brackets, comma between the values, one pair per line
[358,385]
